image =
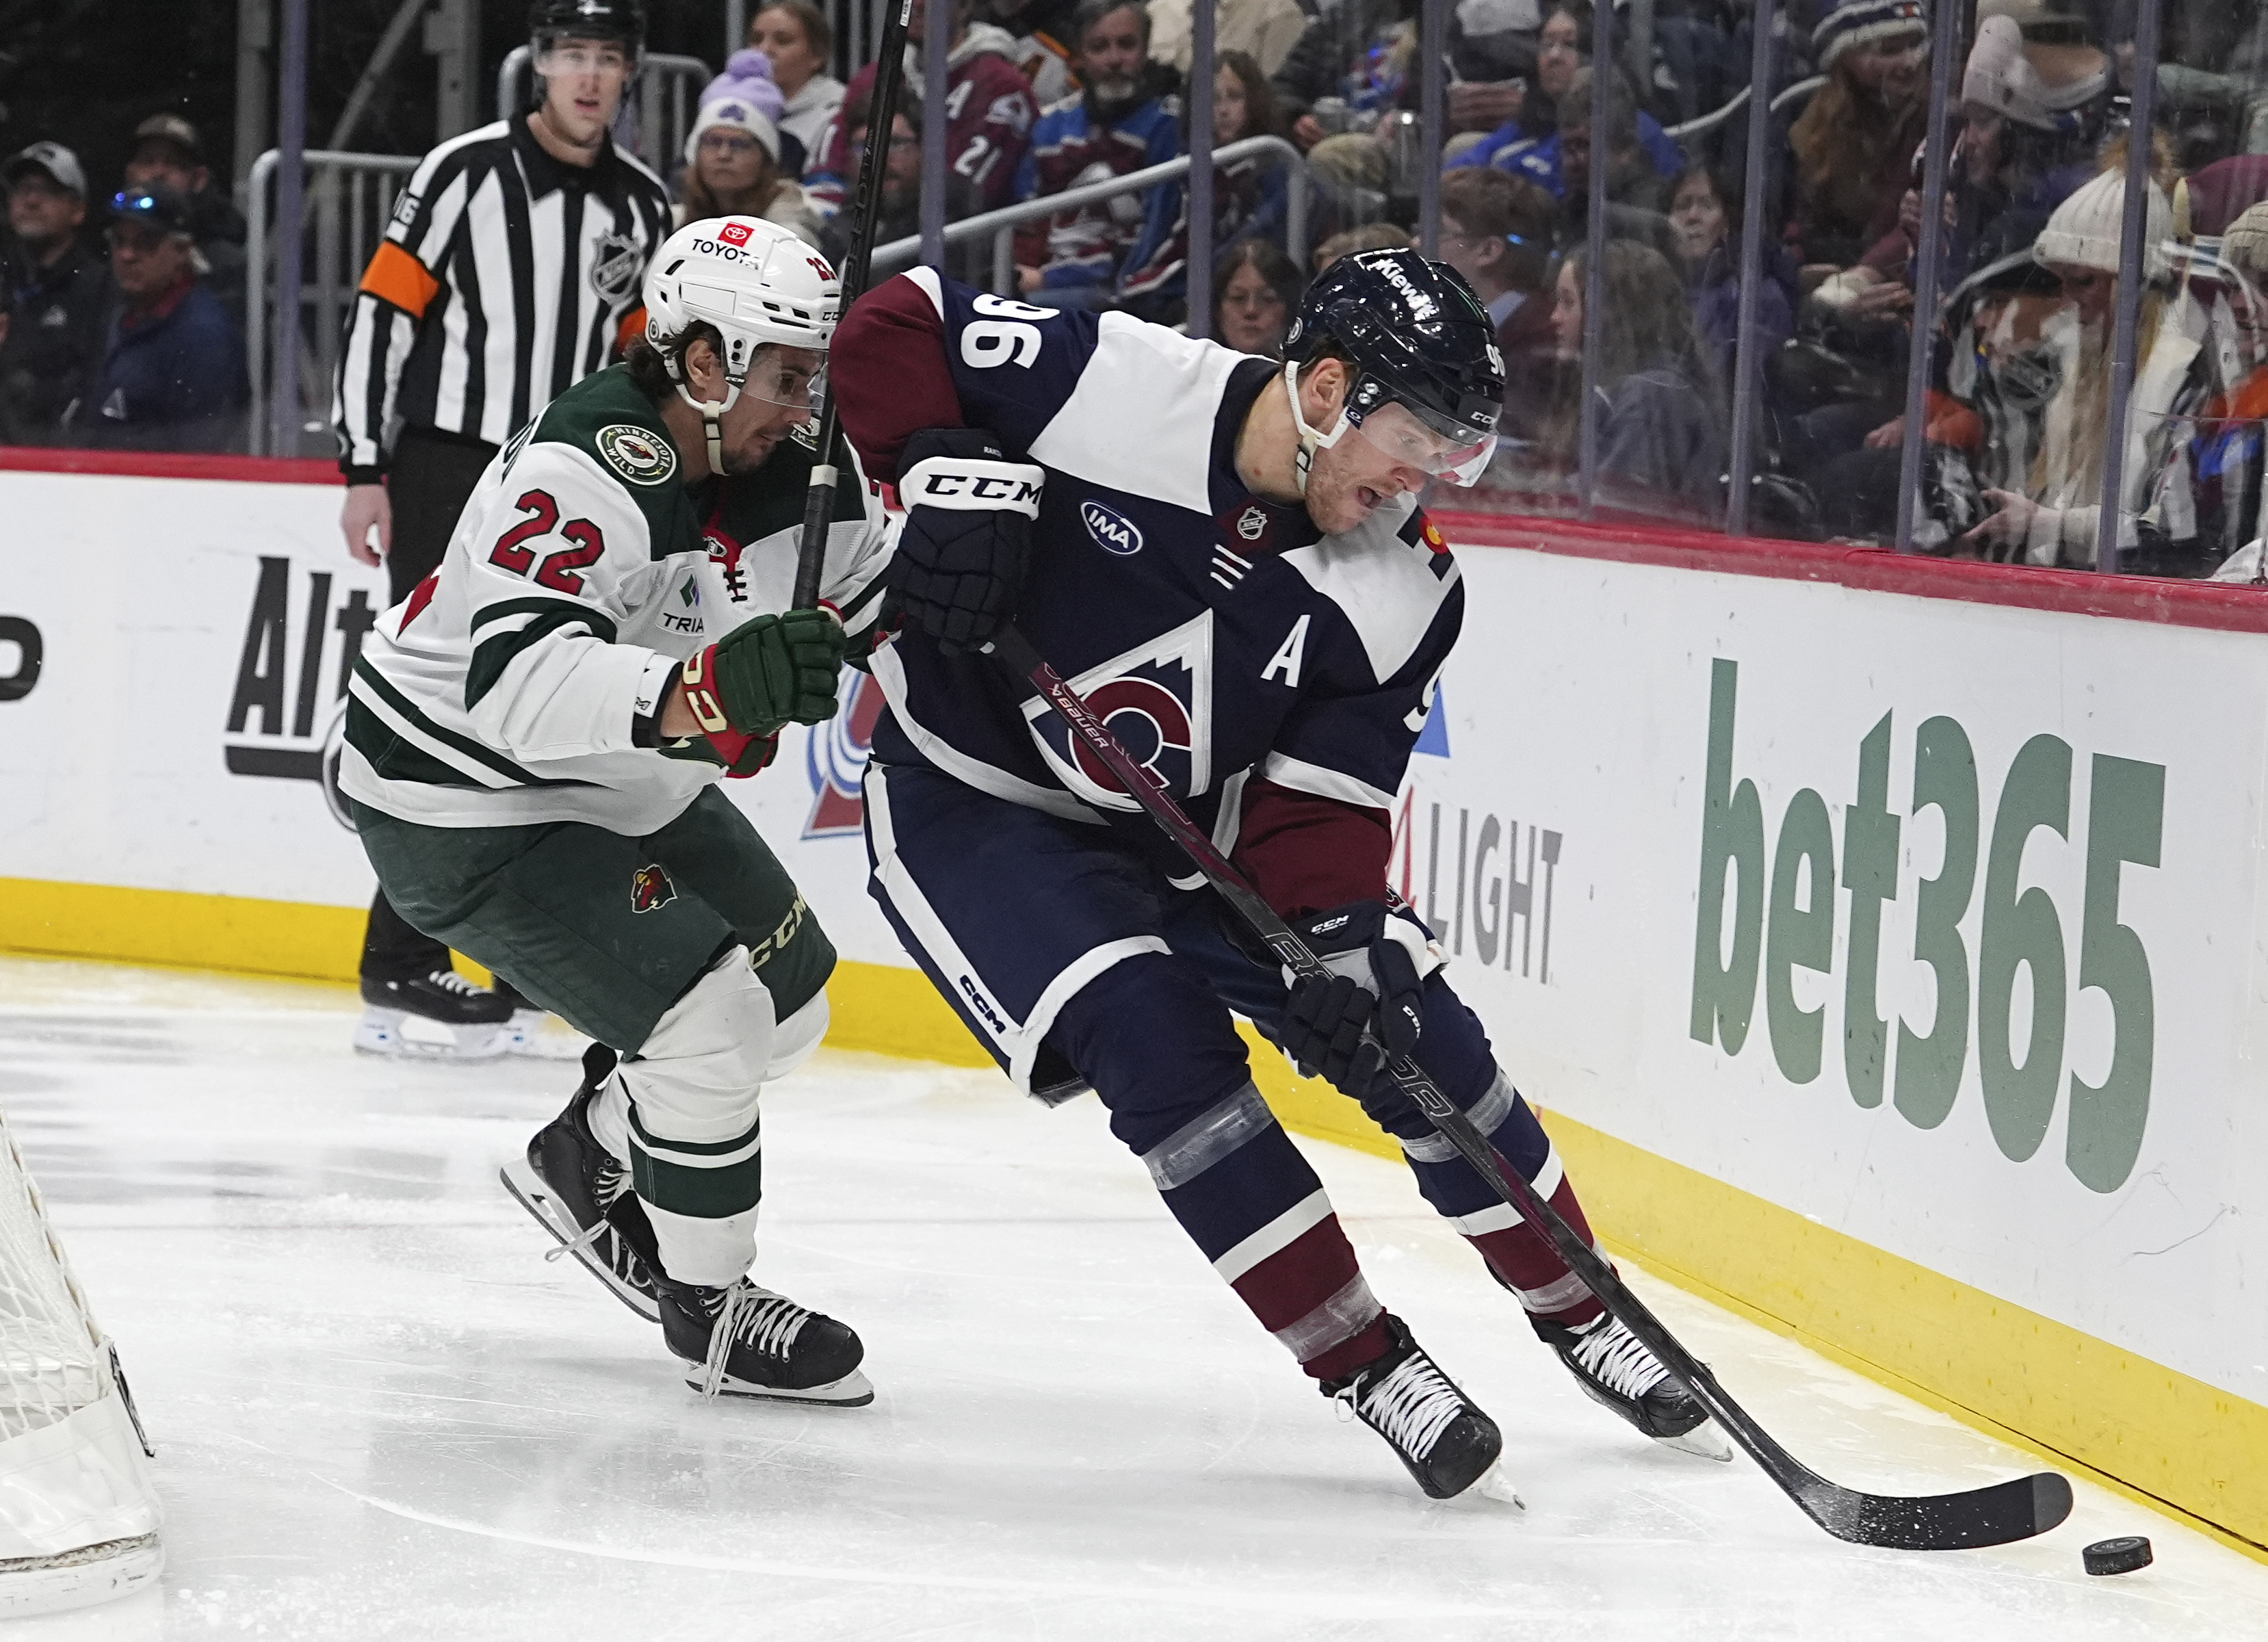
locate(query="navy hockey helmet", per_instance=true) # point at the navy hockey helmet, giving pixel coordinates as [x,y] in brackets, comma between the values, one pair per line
[550,21]
[1417,337]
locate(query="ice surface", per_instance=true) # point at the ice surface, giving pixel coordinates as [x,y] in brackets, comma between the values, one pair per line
[380,1413]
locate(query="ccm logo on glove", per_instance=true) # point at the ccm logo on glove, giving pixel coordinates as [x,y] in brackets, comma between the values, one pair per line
[974,485]
[960,561]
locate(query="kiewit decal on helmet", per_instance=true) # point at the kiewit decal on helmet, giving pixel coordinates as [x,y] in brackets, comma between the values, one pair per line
[550,22]
[1417,337]
[757,283]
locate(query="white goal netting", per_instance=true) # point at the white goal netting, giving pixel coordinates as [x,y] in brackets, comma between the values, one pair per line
[79,1516]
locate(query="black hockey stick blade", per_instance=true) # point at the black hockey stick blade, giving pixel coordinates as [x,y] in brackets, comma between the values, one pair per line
[1994,1515]
[819,501]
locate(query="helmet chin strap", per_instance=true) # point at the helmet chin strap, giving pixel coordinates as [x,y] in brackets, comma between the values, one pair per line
[712,414]
[1310,440]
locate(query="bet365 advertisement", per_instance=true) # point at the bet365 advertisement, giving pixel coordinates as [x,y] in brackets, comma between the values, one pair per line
[1940,923]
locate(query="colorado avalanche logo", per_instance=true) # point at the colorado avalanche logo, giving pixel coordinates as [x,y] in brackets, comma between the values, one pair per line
[650,887]
[1156,700]
[837,756]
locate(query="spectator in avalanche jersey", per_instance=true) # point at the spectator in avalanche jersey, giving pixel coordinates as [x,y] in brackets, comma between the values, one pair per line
[172,377]
[988,107]
[1120,123]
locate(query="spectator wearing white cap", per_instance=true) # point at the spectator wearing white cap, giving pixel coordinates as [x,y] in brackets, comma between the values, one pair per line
[55,291]
[732,169]
[2056,520]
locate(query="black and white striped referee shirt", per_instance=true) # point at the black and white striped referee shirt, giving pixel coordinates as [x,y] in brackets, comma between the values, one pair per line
[502,280]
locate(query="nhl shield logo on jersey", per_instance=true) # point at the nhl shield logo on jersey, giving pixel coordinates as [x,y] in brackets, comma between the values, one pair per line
[639,456]
[617,262]
[650,887]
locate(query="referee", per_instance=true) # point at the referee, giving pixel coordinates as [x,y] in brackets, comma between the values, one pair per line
[514,256]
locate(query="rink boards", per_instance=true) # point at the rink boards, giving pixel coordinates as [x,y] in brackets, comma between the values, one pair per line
[1888,956]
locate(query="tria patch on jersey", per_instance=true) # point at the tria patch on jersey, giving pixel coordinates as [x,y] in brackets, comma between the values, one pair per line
[640,457]
[1157,700]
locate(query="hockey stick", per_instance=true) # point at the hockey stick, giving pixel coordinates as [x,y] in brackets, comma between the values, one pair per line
[819,501]
[1994,1515]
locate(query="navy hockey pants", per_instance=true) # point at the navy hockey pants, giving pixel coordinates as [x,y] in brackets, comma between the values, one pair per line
[1067,953]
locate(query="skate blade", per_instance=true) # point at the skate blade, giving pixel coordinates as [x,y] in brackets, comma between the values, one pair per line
[1704,1440]
[539,1034]
[1496,1484]
[853,1390]
[398,1032]
[529,1191]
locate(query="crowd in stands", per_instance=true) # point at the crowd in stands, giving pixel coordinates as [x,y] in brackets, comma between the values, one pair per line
[123,322]
[1048,96]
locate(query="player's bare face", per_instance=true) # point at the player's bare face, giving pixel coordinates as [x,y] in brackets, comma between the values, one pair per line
[779,396]
[583,85]
[1351,480]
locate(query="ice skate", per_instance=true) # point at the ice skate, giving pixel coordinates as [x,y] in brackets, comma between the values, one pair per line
[1435,1429]
[441,1014]
[581,1193]
[1615,1369]
[747,1342]
[536,1032]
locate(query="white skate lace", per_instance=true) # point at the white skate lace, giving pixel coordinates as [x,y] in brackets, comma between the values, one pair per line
[766,1323]
[587,1238]
[1614,1357]
[449,981]
[1411,1407]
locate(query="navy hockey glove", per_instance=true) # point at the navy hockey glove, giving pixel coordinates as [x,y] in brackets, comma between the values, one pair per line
[1373,988]
[960,563]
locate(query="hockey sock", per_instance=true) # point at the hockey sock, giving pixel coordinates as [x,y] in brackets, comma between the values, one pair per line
[1158,1046]
[1521,1257]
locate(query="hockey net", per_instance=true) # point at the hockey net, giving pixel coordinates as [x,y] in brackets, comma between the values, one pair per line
[78,1515]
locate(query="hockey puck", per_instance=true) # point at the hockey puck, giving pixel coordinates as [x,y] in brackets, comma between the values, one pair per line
[2122,1555]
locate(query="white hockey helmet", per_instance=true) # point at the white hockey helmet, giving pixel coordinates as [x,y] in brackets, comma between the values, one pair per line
[757,283]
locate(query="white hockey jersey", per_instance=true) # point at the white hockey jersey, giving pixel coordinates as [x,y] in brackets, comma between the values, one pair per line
[507,689]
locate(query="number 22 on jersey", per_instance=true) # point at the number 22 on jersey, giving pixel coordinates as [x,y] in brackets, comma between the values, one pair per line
[561,571]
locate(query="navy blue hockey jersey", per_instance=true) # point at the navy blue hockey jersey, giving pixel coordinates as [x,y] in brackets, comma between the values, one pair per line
[1267,672]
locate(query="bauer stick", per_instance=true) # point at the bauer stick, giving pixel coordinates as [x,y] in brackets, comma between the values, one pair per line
[819,501]
[1994,1515]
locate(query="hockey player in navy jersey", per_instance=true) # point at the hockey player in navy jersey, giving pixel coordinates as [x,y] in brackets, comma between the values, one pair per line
[1227,559]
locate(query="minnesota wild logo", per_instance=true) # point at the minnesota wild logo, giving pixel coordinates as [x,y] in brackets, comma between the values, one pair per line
[639,456]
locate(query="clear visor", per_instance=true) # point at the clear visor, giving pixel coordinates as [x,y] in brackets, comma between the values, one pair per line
[792,378]
[1412,438]
[568,59]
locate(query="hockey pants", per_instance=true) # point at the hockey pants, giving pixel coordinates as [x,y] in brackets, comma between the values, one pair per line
[689,951]
[1068,954]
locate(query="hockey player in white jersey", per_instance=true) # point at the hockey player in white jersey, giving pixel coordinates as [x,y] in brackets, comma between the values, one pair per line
[1225,557]
[533,741]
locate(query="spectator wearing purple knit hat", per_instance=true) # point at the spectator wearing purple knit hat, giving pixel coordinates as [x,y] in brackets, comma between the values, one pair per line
[748,78]
[732,167]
